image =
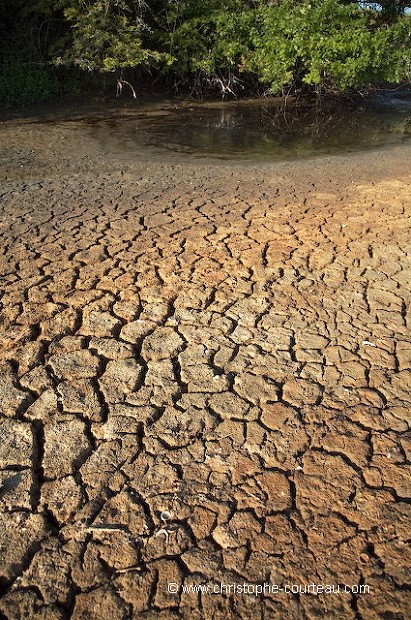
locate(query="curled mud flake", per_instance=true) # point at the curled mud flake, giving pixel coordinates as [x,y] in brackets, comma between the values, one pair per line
[104,528]
[218,377]
[163,532]
[166,516]
[367,343]
[129,569]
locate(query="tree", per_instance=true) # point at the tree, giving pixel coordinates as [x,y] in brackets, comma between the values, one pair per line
[326,44]
[276,45]
[26,29]
[107,36]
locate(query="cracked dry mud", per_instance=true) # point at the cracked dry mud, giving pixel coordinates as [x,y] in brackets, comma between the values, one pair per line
[204,380]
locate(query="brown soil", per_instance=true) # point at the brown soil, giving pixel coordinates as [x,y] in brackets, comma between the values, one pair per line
[205,378]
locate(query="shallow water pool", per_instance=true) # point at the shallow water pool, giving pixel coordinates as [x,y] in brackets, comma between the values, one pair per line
[259,130]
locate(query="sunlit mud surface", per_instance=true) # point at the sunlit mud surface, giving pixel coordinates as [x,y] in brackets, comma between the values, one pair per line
[205,379]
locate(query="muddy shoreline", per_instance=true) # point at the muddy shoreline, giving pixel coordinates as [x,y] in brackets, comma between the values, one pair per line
[204,379]
[35,147]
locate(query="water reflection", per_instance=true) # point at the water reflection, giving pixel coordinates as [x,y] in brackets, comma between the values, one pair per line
[263,131]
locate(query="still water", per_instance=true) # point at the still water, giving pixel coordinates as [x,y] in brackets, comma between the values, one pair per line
[259,130]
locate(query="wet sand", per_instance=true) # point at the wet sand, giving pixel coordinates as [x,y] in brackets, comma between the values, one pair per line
[205,379]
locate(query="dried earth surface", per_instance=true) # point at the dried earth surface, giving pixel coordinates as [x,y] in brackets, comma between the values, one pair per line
[205,378]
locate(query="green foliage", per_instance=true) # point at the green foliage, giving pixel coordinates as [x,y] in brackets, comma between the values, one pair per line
[213,42]
[26,29]
[288,44]
[285,45]
[107,36]
[326,43]
[23,81]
